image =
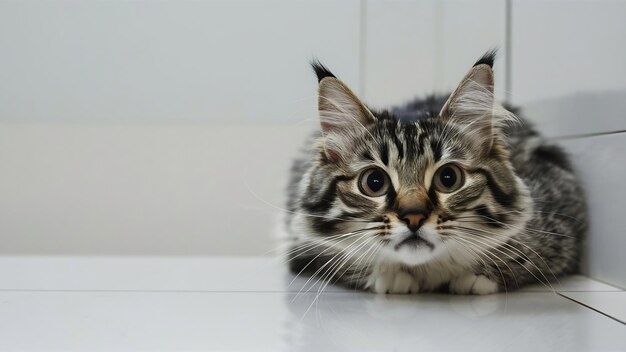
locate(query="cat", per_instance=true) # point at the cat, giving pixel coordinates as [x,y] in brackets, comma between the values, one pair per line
[449,193]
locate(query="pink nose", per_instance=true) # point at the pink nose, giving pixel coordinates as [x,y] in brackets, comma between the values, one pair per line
[414,220]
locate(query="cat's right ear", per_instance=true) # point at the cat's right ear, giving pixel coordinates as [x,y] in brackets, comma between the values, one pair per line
[342,115]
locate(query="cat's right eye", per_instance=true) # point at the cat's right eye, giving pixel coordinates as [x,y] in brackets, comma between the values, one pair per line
[374,182]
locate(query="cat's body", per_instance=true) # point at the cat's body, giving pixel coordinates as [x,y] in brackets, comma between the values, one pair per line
[444,193]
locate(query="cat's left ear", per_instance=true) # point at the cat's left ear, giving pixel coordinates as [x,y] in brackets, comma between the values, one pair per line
[343,117]
[472,103]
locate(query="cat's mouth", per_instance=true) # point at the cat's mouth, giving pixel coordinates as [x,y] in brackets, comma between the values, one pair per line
[416,240]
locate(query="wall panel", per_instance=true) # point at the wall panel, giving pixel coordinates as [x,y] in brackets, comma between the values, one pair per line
[568,64]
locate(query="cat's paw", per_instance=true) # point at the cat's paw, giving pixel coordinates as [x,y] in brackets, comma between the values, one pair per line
[473,285]
[396,282]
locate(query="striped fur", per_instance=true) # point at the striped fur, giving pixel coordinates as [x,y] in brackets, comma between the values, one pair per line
[518,217]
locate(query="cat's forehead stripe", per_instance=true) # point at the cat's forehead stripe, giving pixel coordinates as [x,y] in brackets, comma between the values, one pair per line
[410,134]
[393,132]
[384,152]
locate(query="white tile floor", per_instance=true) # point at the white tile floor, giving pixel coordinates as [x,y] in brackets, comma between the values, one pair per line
[180,304]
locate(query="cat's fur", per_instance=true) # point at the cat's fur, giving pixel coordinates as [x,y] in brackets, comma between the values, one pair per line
[518,217]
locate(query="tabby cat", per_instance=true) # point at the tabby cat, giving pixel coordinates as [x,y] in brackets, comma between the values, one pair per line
[449,193]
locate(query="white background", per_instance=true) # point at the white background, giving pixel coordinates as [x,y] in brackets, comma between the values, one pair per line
[167,127]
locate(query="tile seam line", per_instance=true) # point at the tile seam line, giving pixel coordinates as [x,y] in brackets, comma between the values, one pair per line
[508,49]
[362,47]
[592,308]
[248,291]
[586,135]
[161,291]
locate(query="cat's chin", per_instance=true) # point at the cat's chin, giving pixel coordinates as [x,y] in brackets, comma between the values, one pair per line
[411,256]
[413,249]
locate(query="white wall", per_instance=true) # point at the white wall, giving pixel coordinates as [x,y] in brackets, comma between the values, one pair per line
[568,73]
[568,64]
[170,61]
[145,127]
[167,127]
[420,47]
[183,189]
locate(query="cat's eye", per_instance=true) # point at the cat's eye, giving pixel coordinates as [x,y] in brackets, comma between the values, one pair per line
[448,178]
[374,182]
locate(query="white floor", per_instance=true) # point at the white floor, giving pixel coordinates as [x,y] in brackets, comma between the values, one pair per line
[214,304]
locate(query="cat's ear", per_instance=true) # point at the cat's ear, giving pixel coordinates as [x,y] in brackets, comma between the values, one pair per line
[472,104]
[343,116]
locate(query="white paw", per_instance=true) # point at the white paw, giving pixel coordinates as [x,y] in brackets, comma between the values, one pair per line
[473,284]
[395,281]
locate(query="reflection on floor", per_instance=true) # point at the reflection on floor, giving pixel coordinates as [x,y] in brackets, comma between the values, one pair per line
[177,304]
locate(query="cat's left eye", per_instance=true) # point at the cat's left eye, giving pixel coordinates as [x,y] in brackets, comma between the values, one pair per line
[448,178]
[374,182]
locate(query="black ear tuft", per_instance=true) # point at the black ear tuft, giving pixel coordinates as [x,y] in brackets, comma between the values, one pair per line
[320,70]
[488,58]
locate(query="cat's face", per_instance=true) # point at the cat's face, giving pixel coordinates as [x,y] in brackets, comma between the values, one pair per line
[413,192]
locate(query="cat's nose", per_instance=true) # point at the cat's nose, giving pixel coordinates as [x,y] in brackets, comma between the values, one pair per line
[414,220]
